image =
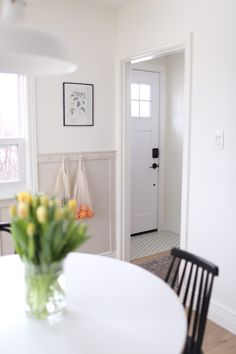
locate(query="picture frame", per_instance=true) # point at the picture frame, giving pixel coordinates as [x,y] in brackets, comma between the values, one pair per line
[78,104]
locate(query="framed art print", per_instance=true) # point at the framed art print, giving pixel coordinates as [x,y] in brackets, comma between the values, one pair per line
[78,101]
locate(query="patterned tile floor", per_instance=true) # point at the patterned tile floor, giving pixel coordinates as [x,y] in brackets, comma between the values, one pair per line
[154,242]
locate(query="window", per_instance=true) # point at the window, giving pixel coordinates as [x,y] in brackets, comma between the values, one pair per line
[14,138]
[141,100]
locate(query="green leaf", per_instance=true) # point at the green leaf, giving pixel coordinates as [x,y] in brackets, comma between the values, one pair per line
[20,237]
[31,247]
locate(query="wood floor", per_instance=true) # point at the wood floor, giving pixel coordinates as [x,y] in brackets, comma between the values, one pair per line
[217,340]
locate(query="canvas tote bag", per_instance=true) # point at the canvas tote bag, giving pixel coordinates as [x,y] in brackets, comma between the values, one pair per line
[81,193]
[63,184]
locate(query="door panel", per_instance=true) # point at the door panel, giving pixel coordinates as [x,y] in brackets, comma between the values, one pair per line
[144,126]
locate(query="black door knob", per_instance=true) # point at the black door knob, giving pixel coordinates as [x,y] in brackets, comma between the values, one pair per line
[154,165]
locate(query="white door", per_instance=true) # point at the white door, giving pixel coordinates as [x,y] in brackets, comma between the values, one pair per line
[144,138]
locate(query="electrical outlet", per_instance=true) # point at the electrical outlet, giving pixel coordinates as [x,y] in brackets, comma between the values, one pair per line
[219,139]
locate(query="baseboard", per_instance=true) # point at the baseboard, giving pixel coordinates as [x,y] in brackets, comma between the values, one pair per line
[111,254]
[143,232]
[217,313]
[223,316]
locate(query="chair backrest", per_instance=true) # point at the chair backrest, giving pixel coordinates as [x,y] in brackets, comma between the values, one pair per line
[192,277]
[5,226]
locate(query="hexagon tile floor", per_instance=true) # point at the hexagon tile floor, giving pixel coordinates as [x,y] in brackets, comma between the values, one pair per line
[153,242]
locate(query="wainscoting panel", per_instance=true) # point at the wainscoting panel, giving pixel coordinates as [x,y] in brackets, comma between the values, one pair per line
[100,169]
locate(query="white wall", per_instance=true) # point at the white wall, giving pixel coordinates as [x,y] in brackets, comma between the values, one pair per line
[88,31]
[212,195]
[174,141]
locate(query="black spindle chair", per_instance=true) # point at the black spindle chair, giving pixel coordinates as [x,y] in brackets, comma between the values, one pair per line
[192,278]
[5,226]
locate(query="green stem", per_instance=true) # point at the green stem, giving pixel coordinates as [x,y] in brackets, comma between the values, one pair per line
[44,295]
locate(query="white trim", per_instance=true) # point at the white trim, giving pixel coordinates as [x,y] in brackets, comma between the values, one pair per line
[186,144]
[217,313]
[167,46]
[31,136]
[162,145]
[74,156]
[223,316]
[156,68]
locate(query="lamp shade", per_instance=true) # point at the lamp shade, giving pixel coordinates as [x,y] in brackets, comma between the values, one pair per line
[26,50]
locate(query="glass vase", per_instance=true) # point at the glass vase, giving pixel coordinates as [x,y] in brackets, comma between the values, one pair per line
[44,290]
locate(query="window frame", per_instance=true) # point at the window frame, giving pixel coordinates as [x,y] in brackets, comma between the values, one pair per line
[139,100]
[26,142]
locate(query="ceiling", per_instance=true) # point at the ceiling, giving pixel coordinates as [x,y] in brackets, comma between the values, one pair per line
[110,3]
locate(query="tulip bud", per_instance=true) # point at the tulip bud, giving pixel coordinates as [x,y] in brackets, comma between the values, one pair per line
[35,201]
[42,214]
[22,210]
[12,211]
[44,200]
[72,206]
[24,197]
[30,230]
[59,214]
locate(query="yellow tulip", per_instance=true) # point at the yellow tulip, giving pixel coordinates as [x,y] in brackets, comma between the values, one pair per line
[24,197]
[22,210]
[30,230]
[44,200]
[12,211]
[59,214]
[72,205]
[51,203]
[35,201]
[42,214]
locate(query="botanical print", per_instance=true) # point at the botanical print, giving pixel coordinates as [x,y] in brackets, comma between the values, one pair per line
[78,104]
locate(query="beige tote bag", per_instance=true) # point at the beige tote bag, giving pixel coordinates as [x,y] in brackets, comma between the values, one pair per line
[81,193]
[63,184]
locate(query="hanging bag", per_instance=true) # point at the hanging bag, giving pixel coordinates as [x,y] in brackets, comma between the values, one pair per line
[81,193]
[63,184]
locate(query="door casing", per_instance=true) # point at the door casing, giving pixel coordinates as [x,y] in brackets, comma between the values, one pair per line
[165,47]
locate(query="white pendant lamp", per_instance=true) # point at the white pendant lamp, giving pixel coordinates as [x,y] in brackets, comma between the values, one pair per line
[26,50]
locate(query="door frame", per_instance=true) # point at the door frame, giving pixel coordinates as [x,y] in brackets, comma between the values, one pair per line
[123,65]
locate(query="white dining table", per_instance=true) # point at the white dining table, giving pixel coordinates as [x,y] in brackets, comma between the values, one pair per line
[113,307]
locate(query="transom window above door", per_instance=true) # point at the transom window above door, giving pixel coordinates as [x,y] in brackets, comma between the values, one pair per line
[141,98]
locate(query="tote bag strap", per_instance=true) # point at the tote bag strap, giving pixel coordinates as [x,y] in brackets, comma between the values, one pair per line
[64,165]
[81,163]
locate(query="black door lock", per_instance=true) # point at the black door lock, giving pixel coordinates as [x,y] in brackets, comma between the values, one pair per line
[155,153]
[154,165]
